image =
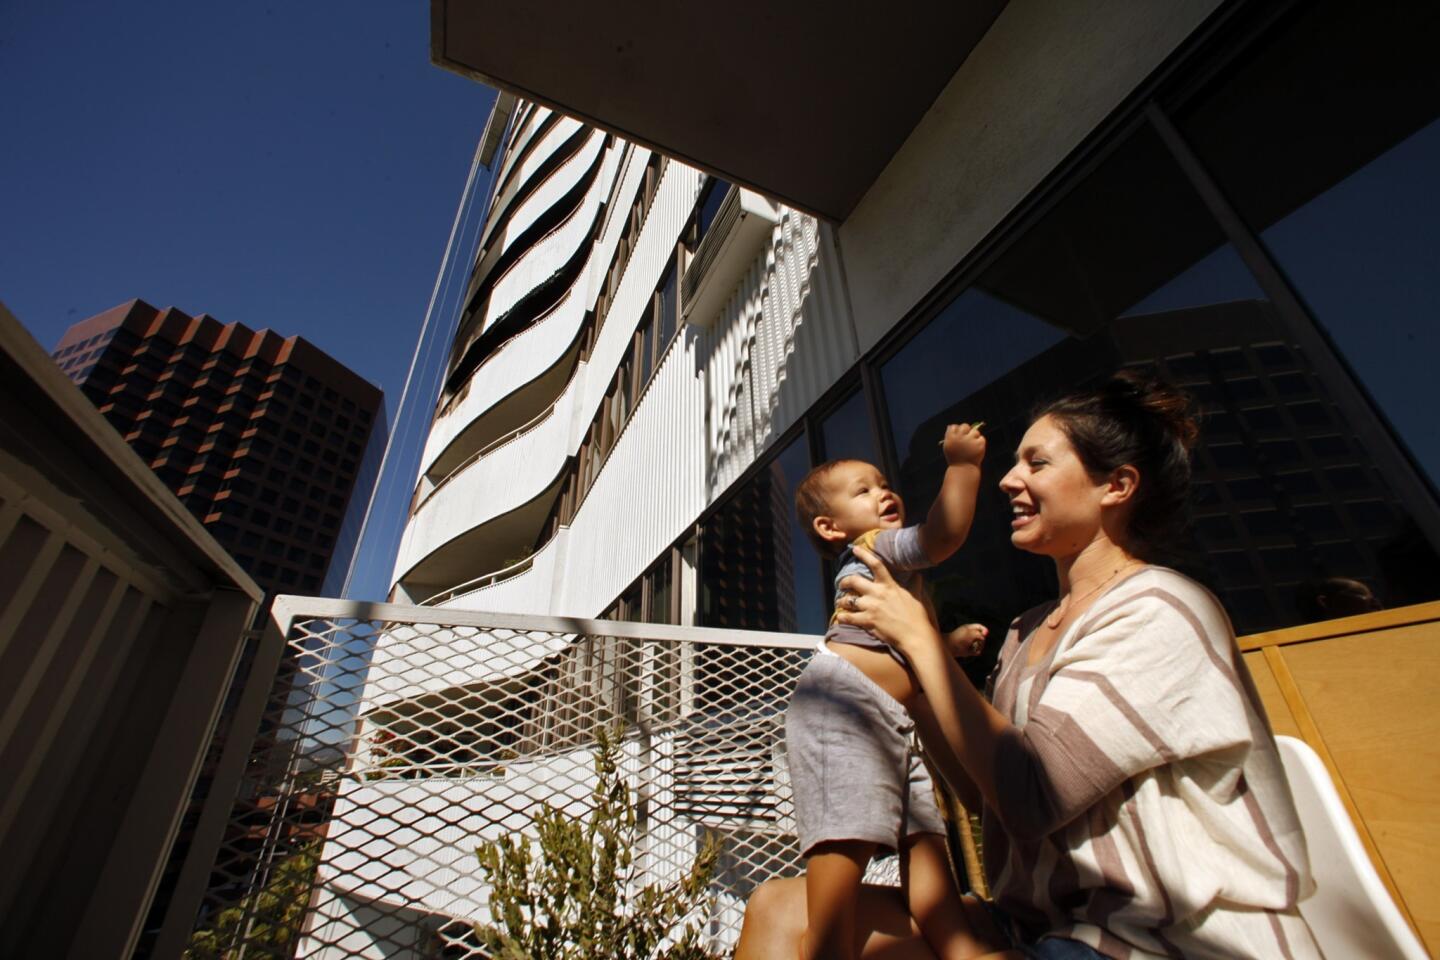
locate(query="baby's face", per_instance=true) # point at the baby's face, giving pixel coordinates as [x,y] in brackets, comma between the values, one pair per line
[859,499]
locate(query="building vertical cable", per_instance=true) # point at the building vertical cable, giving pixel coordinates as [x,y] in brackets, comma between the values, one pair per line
[369,575]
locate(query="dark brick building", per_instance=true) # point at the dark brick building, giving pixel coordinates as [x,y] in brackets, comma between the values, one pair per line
[263,437]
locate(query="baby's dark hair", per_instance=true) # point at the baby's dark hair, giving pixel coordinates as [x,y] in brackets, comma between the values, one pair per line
[1133,418]
[810,503]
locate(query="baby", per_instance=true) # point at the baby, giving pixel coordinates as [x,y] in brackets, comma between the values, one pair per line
[859,787]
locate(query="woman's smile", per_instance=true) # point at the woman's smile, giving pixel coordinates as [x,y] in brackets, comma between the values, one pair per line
[1054,502]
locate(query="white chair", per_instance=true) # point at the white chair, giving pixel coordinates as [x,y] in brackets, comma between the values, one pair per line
[1350,912]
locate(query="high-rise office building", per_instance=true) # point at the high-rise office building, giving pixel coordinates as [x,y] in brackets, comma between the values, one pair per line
[269,441]
[272,444]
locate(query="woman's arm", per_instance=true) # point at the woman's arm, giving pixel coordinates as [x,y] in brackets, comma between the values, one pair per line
[968,727]
[1149,680]
[951,770]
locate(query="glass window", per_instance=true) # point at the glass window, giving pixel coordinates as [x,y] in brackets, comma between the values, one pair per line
[846,433]
[647,352]
[810,603]
[660,591]
[710,201]
[1339,172]
[758,570]
[630,605]
[669,307]
[620,403]
[1129,269]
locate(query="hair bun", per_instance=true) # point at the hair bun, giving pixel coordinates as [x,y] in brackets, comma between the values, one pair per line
[1172,408]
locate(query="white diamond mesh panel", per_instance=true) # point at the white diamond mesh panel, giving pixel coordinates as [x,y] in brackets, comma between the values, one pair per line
[391,749]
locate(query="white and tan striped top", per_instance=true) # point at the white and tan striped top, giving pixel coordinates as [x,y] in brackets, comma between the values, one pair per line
[1145,809]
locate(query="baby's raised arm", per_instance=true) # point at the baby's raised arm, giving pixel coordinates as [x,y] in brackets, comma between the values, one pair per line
[948,523]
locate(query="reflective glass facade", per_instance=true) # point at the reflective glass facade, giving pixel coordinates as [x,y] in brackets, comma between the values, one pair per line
[1264,232]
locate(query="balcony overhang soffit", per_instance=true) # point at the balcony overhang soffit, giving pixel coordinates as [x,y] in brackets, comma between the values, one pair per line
[805,103]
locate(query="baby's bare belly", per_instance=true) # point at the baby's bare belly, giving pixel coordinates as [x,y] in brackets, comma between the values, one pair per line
[880,667]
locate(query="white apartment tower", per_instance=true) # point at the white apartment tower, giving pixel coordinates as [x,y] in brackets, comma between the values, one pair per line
[635,332]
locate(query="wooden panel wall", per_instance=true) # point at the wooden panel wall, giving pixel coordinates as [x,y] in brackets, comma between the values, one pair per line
[1365,693]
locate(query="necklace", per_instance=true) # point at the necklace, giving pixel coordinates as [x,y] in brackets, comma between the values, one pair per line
[1063,607]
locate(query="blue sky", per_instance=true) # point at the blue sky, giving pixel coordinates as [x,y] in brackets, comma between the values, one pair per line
[288,165]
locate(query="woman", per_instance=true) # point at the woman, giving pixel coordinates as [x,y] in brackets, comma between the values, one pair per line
[1134,803]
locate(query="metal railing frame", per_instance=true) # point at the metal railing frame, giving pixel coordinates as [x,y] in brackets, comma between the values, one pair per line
[284,614]
[121,624]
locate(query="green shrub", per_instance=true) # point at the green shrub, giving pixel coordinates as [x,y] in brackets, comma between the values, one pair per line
[266,923]
[577,900]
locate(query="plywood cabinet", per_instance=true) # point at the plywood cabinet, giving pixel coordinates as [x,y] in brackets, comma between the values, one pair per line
[1365,693]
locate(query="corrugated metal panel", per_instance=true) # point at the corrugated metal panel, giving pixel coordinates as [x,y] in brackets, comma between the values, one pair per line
[632,176]
[650,488]
[781,341]
[814,344]
[121,622]
[727,349]
[668,214]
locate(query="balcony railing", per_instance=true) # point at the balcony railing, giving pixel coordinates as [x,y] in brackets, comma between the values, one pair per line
[397,739]
[480,582]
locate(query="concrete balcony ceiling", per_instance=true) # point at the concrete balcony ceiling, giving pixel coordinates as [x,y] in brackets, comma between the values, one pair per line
[805,104]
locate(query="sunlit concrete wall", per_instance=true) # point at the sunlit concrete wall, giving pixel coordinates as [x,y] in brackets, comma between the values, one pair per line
[1044,76]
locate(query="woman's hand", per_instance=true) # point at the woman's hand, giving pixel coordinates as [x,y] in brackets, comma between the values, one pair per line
[887,610]
[959,728]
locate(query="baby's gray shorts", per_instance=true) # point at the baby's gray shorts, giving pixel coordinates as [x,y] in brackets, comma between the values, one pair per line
[852,770]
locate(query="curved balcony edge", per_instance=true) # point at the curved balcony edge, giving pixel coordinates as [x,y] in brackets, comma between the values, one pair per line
[554,240]
[499,443]
[677,188]
[493,509]
[505,241]
[506,574]
[624,177]
[539,563]
[535,295]
[586,159]
[530,355]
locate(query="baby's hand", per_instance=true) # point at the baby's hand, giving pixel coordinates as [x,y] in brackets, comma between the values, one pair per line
[963,444]
[967,641]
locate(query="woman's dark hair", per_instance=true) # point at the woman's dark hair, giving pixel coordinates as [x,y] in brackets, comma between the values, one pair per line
[1135,419]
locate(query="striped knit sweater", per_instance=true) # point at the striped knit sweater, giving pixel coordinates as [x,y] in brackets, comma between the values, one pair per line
[1146,812]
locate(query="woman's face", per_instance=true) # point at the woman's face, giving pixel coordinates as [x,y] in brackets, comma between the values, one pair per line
[1055,503]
